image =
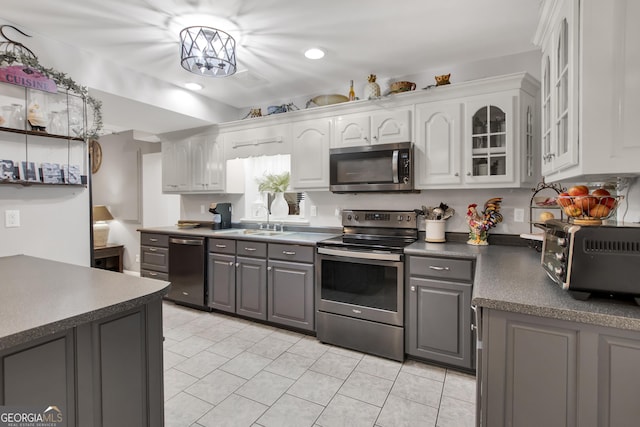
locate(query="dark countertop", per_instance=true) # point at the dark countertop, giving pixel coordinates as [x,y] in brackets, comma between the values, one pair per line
[39,297]
[291,237]
[510,278]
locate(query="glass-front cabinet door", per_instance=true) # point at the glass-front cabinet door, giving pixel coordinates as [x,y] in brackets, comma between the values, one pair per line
[559,104]
[490,139]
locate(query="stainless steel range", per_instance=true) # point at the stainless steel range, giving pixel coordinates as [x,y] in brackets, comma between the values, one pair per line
[360,282]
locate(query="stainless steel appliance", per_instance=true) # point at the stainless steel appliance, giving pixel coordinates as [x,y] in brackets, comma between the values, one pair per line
[593,259]
[221,215]
[381,167]
[187,272]
[360,282]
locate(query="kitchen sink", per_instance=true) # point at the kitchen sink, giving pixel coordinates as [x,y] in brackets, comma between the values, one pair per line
[254,232]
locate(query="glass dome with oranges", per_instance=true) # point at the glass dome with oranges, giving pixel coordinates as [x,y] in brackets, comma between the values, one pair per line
[586,207]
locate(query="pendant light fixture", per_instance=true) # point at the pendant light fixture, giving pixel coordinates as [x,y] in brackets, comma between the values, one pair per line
[207,51]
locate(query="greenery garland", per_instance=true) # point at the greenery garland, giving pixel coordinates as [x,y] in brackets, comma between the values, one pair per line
[61,80]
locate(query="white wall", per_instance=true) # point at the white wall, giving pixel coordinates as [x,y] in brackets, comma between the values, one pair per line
[118,184]
[158,209]
[54,223]
[329,203]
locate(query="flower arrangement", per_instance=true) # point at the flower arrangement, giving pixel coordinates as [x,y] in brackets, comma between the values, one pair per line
[274,183]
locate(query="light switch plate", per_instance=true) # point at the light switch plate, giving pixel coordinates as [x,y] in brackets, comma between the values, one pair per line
[12,218]
[518,215]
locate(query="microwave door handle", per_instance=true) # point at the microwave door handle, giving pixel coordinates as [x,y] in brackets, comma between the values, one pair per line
[394,167]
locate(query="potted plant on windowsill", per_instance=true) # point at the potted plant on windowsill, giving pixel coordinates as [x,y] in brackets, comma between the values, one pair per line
[276,184]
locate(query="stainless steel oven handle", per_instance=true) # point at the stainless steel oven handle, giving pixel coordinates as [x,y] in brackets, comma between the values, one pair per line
[360,255]
[394,167]
[192,242]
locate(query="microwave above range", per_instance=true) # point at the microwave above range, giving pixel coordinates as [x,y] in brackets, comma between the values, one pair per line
[382,167]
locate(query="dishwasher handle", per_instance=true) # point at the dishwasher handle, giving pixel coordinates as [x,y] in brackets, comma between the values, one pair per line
[191,242]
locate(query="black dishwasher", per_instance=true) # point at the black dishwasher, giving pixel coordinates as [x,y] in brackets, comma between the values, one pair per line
[187,271]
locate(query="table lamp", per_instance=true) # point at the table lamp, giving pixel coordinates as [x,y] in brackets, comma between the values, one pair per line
[100,227]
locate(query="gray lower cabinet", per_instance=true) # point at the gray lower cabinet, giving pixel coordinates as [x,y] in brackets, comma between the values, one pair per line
[41,373]
[547,372]
[273,282]
[238,277]
[104,373]
[438,303]
[154,256]
[251,287]
[290,285]
[222,282]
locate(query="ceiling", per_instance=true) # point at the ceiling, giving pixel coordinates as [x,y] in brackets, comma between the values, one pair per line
[390,39]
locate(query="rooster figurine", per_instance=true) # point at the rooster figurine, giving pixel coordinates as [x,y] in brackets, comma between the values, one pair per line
[481,223]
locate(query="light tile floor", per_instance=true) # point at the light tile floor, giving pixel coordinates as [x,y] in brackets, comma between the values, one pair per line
[224,371]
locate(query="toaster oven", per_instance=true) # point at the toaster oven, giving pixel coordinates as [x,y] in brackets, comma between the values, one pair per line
[593,259]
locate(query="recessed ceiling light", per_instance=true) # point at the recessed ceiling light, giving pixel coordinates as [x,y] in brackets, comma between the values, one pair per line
[193,86]
[314,53]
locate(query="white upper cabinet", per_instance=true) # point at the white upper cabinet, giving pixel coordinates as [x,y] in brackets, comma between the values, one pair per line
[176,165]
[310,157]
[378,127]
[590,93]
[207,164]
[486,138]
[193,164]
[490,125]
[438,144]
[264,140]
[560,91]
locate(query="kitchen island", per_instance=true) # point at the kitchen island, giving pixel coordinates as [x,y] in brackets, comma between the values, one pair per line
[543,357]
[84,340]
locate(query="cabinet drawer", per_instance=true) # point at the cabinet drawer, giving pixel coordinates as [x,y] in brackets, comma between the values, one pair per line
[153,258]
[295,253]
[154,275]
[249,248]
[441,268]
[222,246]
[148,239]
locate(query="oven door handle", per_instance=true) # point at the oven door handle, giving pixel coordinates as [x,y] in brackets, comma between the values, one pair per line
[360,255]
[394,167]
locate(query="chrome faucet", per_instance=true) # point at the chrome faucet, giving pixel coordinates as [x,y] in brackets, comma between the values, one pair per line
[267,210]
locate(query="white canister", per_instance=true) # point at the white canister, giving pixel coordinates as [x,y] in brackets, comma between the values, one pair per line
[434,231]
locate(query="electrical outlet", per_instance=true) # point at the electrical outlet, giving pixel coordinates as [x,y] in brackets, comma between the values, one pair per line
[518,215]
[12,218]
[337,212]
[313,210]
[201,209]
[137,258]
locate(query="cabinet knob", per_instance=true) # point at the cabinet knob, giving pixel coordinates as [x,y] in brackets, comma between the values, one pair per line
[237,264]
[456,174]
[220,246]
[231,263]
[250,249]
[269,268]
[152,249]
[413,288]
[289,252]
[468,173]
[438,268]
